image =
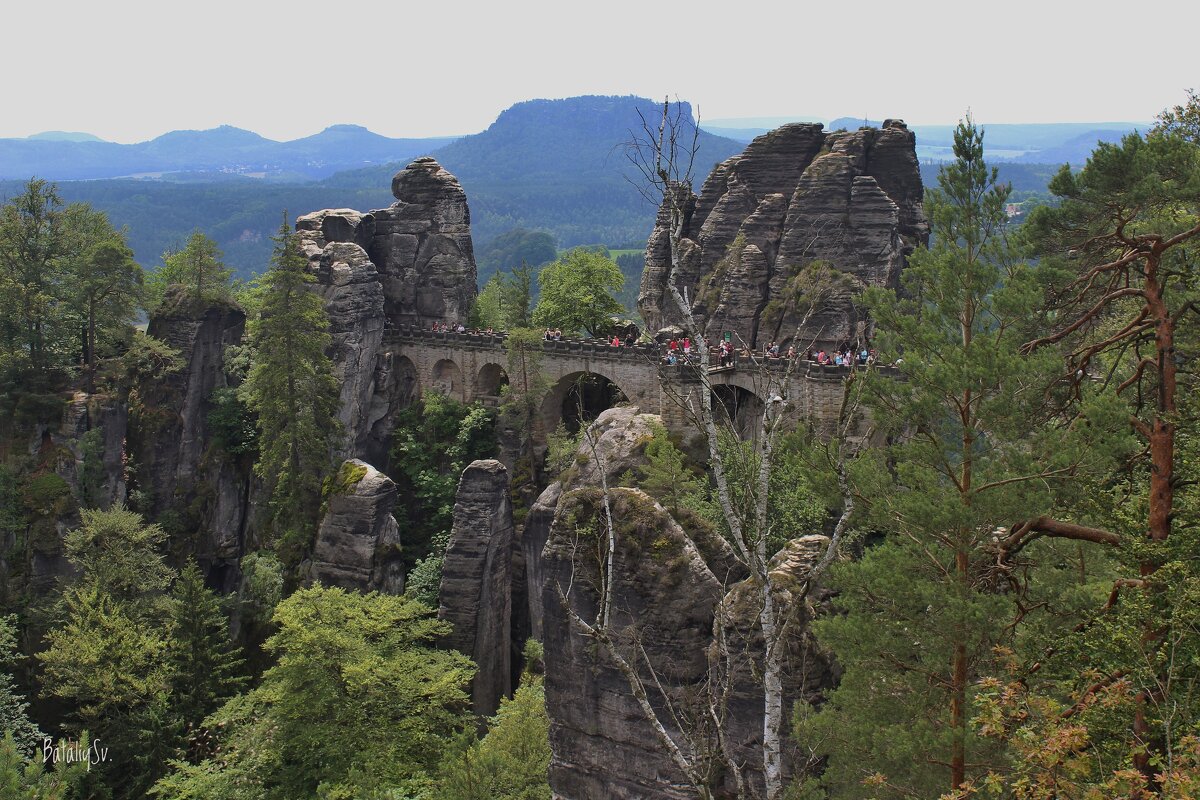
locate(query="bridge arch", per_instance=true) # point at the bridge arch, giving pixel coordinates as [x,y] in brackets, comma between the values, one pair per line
[579,397]
[446,377]
[491,378]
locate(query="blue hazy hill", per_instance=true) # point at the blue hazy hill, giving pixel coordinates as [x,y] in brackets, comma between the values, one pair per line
[222,151]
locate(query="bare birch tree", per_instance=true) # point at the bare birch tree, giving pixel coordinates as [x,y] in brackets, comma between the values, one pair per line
[664,155]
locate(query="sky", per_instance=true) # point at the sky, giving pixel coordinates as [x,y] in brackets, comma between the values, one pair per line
[129,70]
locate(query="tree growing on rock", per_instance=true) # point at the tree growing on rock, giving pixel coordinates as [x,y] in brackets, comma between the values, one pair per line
[292,389]
[695,739]
[198,268]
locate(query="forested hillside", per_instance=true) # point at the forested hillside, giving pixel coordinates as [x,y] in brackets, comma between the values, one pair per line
[550,165]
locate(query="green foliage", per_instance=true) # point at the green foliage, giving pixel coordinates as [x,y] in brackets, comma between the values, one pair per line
[505,300]
[231,423]
[345,479]
[22,732]
[561,448]
[105,283]
[668,478]
[25,778]
[68,286]
[576,292]
[91,472]
[488,308]
[198,268]
[150,359]
[107,663]
[46,494]
[204,665]
[424,581]
[33,249]
[974,448]
[351,669]
[511,761]
[514,248]
[433,442]
[292,390]
[262,586]
[119,554]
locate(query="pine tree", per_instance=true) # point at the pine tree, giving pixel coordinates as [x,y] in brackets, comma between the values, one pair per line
[107,659]
[292,389]
[666,476]
[32,247]
[199,268]
[14,720]
[205,665]
[974,450]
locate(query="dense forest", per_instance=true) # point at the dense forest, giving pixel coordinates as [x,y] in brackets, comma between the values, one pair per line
[1007,575]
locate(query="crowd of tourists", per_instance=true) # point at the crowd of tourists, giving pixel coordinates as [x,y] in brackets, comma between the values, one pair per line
[458,327]
[680,350]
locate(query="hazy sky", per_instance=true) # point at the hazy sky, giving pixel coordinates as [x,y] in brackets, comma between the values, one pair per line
[128,70]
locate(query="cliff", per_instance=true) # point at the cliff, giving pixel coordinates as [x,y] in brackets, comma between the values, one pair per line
[412,263]
[783,237]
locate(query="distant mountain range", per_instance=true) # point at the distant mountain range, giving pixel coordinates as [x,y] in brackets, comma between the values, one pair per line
[552,165]
[559,166]
[1029,143]
[226,150]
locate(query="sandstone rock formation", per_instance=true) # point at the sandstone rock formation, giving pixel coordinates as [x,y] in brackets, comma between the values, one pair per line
[620,437]
[358,540]
[664,602]
[411,263]
[678,592]
[801,215]
[97,468]
[173,445]
[348,282]
[476,591]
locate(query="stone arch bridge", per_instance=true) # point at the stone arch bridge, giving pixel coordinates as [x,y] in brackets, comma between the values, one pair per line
[472,367]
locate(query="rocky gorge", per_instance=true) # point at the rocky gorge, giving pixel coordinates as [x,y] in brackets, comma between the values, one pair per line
[799,201]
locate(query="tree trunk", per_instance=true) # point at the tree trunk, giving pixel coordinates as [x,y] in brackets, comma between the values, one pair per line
[958,694]
[772,696]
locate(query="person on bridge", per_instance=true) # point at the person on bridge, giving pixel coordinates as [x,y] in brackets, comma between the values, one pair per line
[726,354]
[630,339]
[687,345]
[616,341]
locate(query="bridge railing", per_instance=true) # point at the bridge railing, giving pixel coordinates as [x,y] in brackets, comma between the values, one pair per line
[653,353]
[482,339]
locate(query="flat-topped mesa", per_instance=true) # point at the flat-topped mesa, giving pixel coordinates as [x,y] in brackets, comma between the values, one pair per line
[783,237]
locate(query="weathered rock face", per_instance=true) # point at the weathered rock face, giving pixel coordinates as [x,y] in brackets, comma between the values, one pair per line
[664,595]
[348,282]
[678,591]
[358,540]
[173,444]
[93,431]
[621,435]
[411,263]
[808,670]
[476,591]
[800,215]
[422,246]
